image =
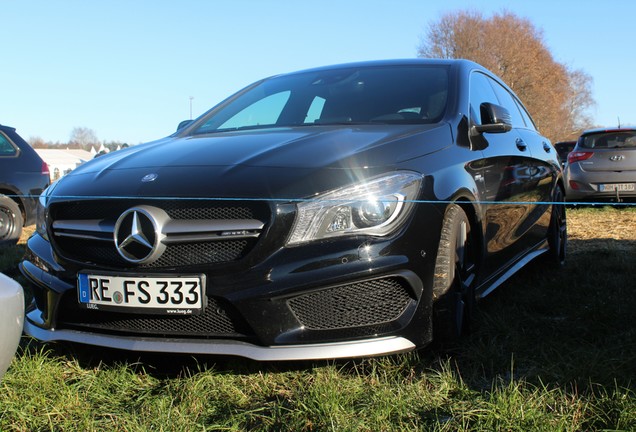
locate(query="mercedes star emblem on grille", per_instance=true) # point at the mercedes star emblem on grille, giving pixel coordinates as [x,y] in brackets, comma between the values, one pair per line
[138,234]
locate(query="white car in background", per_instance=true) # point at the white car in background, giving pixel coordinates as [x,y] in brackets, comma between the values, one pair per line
[11,320]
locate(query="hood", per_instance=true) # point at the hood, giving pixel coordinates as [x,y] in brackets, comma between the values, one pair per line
[294,162]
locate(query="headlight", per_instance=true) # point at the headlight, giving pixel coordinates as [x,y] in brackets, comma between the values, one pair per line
[376,207]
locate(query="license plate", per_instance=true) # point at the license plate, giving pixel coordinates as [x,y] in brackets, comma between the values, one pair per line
[621,187]
[155,294]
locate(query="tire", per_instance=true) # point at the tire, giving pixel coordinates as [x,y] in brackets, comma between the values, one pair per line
[10,221]
[558,230]
[455,274]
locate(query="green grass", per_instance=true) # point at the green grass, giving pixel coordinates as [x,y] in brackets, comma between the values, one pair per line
[550,352]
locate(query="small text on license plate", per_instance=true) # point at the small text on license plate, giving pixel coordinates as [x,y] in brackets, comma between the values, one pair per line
[621,187]
[178,295]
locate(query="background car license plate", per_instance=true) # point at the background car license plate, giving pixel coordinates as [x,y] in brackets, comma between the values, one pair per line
[171,295]
[621,187]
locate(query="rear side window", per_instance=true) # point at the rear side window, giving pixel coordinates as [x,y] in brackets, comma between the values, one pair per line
[609,140]
[526,117]
[6,148]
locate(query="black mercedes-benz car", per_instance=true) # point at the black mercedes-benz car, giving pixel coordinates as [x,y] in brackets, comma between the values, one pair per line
[343,211]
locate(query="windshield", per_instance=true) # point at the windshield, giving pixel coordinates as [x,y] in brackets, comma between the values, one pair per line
[614,139]
[395,94]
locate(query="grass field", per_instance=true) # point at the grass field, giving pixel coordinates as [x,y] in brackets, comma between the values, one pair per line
[552,351]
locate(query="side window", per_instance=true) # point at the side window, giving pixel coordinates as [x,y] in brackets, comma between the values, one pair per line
[262,112]
[507,101]
[526,117]
[6,148]
[480,91]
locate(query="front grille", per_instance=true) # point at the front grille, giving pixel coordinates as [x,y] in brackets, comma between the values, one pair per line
[218,320]
[176,209]
[98,248]
[105,254]
[368,303]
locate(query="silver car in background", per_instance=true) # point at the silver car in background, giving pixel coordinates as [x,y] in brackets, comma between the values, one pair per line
[602,166]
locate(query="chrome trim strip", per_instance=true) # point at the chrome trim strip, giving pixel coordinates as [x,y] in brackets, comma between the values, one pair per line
[88,225]
[182,226]
[178,231]
[360,348]
[83,236]
[511,271]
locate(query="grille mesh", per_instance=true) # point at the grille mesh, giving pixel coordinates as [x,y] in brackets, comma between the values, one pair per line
[176,209]
[175,255]
[360,304]
[217,320]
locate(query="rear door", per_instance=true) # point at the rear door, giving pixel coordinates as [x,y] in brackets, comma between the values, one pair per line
[544,169]
[510,191]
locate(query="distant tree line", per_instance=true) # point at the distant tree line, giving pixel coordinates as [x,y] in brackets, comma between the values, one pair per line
[81,138]
[558,98]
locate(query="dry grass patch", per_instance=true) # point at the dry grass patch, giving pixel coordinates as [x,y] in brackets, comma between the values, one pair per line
[604,228]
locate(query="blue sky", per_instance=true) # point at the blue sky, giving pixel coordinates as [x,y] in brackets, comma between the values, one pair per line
[127,69]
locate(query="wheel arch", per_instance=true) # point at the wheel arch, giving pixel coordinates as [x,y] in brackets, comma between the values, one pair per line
[471,206]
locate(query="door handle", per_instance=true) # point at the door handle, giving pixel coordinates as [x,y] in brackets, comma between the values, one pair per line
[547,147]
[521,145]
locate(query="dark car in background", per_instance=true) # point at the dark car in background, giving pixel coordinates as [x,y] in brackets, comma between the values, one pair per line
[343,211]
[563,149]
[23,176]
[602,165]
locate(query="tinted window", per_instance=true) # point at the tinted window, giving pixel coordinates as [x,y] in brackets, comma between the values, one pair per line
[480,92]
[526,116]
[6,148]
[401,94]
[507,101]
[617,139]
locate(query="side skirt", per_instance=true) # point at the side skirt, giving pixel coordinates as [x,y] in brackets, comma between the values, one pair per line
[485,289]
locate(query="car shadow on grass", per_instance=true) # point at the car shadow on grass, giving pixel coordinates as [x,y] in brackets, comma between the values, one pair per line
[553,327]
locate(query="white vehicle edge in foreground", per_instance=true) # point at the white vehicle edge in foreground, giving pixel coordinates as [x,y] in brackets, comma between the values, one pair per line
[11,320]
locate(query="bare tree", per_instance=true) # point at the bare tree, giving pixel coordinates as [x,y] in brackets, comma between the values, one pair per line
[83,137]
[37,142]
[580,101]
[513,48]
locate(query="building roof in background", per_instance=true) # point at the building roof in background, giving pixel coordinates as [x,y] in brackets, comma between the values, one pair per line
[64,157]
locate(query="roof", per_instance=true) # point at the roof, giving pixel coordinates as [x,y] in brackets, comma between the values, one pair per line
[611,129]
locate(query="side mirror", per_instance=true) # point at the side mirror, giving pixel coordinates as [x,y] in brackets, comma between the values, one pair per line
[184,124]
[494,119]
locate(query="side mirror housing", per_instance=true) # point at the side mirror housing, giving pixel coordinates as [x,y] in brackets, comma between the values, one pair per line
[184,124]
[494,119]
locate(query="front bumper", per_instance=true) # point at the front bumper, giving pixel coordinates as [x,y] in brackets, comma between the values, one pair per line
[271,328]
[359,348]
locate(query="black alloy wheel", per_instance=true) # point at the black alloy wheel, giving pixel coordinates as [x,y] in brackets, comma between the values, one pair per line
[455,274]
[558,231]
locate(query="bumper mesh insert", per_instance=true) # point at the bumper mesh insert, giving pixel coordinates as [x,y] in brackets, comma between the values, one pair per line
[359,304]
